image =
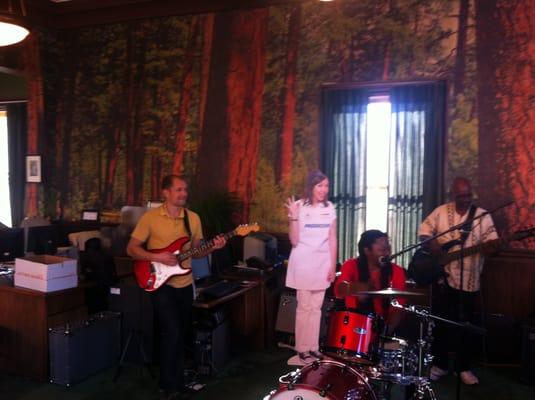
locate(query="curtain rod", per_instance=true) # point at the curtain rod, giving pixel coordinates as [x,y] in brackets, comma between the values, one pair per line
[378,84]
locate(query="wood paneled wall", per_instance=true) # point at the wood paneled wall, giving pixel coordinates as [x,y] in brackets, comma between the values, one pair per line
[508,284]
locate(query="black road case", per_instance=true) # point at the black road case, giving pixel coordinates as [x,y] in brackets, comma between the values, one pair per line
[82,348]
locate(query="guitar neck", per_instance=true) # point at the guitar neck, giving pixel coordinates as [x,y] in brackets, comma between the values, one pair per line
[485,247]
[202,248]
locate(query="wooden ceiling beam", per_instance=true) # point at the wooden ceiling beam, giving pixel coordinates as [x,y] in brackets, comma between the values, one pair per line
[78,13]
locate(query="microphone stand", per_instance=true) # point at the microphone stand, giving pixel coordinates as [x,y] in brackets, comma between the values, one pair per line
[461,316]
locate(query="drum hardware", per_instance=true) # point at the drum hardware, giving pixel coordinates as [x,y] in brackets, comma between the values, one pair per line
[369,363]
[324,379]
[389,292]
[353,289]
[352,336]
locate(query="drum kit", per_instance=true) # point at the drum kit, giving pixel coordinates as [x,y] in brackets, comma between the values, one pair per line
[361,363]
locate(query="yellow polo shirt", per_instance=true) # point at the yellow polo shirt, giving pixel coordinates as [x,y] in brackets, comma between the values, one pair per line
[158,230]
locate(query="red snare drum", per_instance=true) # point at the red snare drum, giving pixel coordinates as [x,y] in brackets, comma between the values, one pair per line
[352,336]
[324,379]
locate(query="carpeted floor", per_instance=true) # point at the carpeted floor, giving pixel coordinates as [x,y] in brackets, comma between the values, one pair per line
[249,376]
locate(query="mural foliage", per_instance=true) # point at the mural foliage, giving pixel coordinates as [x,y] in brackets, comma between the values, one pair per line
[230,100]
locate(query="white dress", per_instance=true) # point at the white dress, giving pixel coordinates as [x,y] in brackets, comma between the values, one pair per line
[310,261]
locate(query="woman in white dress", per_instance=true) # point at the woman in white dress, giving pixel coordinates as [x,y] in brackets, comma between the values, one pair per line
[312,263]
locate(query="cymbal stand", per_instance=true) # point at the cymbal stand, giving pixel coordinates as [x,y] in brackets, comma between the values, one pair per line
[421,382]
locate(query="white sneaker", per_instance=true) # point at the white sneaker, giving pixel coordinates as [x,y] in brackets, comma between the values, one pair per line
[305,357]
[437,373]
[316,354]
[469,378]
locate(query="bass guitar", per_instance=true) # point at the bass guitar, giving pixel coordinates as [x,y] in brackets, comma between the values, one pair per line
[151,275]
[426,267]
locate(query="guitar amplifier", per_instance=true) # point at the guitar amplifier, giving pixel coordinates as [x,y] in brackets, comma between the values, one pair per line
[286,313]
[82,348]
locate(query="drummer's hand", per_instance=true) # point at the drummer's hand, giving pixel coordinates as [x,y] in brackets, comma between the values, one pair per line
[362,287]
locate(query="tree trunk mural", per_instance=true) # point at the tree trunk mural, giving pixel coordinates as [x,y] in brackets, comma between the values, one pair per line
[161,131]
[185,96]
[460,56]
[228,154]
[207,38]
[139,149]
[135,62]
[113,151]
[64,116]
[506,81]
[32,61]
[290,95]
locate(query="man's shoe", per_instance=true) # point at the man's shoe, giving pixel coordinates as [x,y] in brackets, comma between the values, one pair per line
[305,357]
[316,354]
[437,373]
[469,378]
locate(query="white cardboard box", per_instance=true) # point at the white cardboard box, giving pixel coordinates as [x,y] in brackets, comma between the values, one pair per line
[46,273]
[50,285]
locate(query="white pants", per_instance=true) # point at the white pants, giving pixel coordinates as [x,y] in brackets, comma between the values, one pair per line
[308,319]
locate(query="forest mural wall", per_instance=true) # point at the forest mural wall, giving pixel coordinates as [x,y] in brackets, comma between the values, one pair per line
[231,100]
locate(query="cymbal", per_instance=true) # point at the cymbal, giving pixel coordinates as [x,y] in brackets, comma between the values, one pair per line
[390,292]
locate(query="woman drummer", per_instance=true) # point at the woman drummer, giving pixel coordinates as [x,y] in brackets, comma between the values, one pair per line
[371,271]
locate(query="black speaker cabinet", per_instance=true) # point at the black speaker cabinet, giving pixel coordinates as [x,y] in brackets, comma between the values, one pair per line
[528,352]
[82,348]
[286,313]
[137,320]
[211,344]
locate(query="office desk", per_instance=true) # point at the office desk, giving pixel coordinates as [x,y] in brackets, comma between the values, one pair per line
[270,285]
[25,317]
[243,307]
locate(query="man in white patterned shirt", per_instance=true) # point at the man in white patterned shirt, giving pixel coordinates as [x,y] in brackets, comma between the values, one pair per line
[449,295]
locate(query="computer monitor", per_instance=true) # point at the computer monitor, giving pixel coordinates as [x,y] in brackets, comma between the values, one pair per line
[200,268]
[43,239]
[11,243]
[261,245]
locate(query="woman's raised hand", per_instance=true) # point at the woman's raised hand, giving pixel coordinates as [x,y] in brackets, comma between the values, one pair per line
[293,208]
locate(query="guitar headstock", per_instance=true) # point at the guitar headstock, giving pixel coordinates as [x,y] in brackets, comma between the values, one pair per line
[245,229]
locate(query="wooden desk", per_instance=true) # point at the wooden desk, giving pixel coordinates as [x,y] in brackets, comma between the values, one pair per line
[243,309]
[25,317]
[270,288]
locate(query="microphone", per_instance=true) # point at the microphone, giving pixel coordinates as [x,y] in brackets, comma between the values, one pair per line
[384,260]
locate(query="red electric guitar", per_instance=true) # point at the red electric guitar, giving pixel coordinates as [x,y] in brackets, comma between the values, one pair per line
[151,275]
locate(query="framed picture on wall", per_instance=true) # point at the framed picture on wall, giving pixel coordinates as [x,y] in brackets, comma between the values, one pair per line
[90,215]
[33,168]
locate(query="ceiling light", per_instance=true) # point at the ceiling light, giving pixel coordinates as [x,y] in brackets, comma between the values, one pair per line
[13,24]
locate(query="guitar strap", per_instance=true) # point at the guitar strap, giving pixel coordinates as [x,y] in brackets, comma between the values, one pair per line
[186,222]
[467,228]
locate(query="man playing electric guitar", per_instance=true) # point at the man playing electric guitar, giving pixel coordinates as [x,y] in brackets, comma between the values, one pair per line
[172,302]
[446,296]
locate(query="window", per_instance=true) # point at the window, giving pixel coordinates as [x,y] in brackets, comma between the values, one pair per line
[5,203]
[382,147]
[378,139]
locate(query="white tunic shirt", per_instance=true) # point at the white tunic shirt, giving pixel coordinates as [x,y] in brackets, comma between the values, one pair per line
[483,230]
[310,261]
